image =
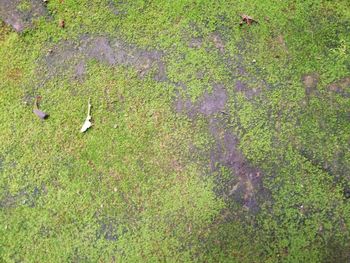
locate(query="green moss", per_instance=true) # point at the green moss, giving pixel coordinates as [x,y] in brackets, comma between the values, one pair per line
[24,6]
[132,188]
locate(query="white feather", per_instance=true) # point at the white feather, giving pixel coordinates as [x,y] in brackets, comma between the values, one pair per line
[87,124]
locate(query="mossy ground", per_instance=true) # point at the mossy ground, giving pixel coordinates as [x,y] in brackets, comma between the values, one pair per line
[136,186]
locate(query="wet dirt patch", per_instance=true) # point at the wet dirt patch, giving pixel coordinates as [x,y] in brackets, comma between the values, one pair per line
[21,14]
[109,229]
[59,59]
[218,42]
[310,82]
[214,102]
[116,8]
[80,70]
[208,104]
[195,42]
[24,197]
[72,57]
[249,93]
[244,185]
[341,87]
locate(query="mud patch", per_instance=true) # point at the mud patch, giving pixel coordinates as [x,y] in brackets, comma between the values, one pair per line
[71,57]
[21,15]
[195,42]
[341,87]
[210,103]
[244,185]
[214,102]
[80,70]
[249,93]
[218,42]
[108,229]
[24,197]
[310,82]
[116,8]
[100,49]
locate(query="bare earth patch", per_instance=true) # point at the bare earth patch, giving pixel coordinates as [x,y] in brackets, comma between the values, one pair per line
[24,197]
[72,57]
[244,187]
[20,16]
[341,87]
[245,184]
[208,104]
[310,82]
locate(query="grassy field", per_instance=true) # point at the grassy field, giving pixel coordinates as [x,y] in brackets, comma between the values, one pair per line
[211,141]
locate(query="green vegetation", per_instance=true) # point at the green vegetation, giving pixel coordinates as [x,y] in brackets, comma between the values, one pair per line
[136,186]
[24,6]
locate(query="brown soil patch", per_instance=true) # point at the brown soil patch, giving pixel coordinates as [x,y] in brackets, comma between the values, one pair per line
[341,87]
[72,57]
[21,19]
[310,82]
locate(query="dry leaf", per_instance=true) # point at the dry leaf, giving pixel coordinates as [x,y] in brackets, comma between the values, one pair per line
[247,19]
[87,124]
[61,23]
[42,115]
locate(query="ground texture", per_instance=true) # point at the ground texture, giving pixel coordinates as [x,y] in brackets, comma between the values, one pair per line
[211,141]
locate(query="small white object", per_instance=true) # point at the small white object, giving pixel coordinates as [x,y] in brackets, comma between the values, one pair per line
[87,124]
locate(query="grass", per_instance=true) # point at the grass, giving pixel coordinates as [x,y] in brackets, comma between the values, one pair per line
[132,188]
[24,6]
